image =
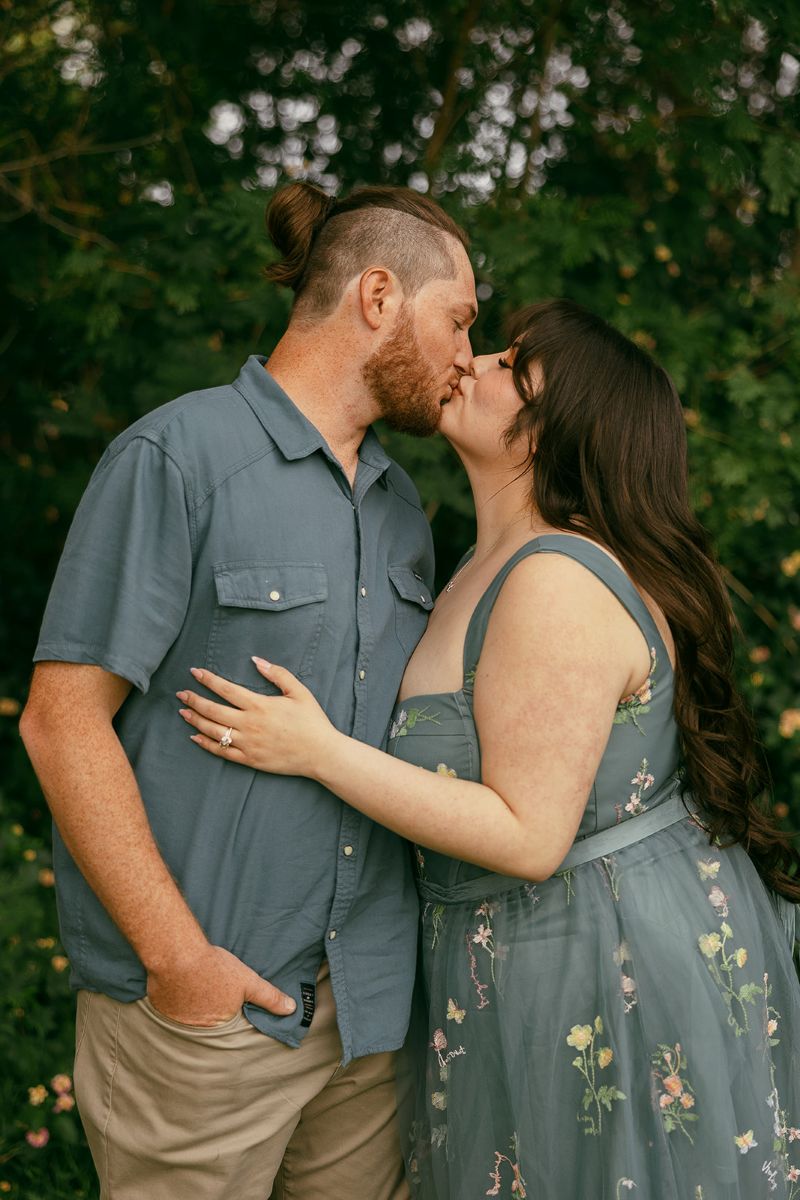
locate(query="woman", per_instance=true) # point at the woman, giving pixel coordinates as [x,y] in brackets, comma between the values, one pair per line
[608,1000]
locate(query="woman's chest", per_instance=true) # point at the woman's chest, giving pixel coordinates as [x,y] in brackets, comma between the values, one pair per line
[437,664]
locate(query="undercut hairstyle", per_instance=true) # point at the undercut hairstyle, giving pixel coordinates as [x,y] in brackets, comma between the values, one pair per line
[606,439]
[325,243]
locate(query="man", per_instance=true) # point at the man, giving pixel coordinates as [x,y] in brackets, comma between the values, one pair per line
[243,944]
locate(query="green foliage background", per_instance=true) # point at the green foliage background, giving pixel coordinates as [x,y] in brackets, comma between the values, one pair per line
[643,158]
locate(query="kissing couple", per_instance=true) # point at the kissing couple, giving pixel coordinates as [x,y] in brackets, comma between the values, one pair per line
[371,894]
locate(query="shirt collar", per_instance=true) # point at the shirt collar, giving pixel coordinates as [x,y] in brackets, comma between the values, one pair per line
[291,431]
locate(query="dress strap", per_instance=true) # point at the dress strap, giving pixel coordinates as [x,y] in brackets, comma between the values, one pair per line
[590,556]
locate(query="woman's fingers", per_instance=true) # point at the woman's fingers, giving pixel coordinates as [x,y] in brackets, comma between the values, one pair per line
[211,729]
[213,747]
[240,696]
[288,683]
[220,713]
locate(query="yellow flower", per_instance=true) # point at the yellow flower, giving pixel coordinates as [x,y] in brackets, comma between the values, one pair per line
[741,956]
[61,1084]
[59,963]
[789,722]
[710,944]
[604,1056]
[791,564]
[663,253]
[46,877]
[29,855]
[17,830]
[9,707]
[579,1036]
[46,943]
[37,1095]
[443,769]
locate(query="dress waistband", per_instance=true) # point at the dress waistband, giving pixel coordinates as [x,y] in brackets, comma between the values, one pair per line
[669,811]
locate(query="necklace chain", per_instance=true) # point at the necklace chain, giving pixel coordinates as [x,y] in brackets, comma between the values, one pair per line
[449,586]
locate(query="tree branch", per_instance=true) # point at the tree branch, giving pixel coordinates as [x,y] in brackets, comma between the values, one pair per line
[445,118]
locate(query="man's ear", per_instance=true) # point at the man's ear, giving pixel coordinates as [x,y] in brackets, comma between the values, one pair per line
[380,296]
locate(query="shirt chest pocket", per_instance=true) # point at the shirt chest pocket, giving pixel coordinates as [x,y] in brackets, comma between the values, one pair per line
[273,610]
[412,603]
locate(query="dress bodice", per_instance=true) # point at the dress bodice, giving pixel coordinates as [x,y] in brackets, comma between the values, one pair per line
[437,731]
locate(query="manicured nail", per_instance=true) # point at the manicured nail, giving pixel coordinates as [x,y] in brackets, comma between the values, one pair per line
[262,662]
[198,674]
[185,712]
[182,696]
[195,737]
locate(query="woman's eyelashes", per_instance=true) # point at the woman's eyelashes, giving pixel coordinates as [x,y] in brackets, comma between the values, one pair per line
[502,362]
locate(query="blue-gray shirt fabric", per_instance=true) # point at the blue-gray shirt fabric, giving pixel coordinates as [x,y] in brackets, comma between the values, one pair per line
[217,527]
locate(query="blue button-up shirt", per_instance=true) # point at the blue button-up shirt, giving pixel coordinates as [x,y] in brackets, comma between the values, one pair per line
[218,527]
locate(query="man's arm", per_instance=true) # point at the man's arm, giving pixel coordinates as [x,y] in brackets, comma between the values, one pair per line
[94,798]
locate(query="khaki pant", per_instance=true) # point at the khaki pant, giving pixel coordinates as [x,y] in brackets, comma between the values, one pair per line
[174,1112]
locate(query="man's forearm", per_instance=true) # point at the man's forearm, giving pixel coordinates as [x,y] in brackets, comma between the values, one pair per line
[95,801]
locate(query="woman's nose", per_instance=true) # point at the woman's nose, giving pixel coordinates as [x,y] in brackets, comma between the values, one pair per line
[481,363]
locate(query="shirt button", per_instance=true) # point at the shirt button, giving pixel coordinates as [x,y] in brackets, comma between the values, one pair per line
[347,850]
[362,674]
[363,591]
[332,935]
[274,595]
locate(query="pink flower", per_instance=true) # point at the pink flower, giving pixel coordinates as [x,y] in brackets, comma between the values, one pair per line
[794,1174]
[61,1084]
[772,1027]
[673,1085]
[628,985]
[794,1134]
[483,935]
[38,1138]
[64,1103]
[664,1100]
[687,1101]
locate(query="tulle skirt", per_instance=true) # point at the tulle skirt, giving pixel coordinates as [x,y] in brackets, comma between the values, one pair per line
[630,1028]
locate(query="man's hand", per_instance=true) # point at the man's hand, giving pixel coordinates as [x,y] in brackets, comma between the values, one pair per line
[211,989]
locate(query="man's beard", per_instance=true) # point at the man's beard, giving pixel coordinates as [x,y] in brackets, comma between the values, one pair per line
[401,382]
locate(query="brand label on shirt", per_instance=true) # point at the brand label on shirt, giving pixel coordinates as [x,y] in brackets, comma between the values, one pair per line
[308,992]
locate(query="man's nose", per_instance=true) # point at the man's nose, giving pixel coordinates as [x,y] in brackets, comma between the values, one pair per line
[463,358]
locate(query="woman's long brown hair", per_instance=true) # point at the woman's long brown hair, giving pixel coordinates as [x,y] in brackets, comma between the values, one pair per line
[607,441]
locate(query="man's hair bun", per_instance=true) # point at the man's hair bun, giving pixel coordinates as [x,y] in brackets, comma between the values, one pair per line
[294,217]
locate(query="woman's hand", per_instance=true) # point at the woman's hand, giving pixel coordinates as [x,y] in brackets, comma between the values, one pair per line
[285,735]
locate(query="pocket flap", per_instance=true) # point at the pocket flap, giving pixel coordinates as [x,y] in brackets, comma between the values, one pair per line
[410,585]
[269,585]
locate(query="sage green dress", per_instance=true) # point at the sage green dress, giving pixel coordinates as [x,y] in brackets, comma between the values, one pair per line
[630,1027]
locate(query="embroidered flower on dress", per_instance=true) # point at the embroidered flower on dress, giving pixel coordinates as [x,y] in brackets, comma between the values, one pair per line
[708,868]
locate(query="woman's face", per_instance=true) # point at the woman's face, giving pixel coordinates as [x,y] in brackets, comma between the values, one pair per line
[478,414]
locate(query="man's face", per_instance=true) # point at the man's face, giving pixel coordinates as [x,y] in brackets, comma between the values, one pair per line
[414,371]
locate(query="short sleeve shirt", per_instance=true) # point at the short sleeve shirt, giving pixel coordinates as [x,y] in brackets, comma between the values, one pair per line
[218,527]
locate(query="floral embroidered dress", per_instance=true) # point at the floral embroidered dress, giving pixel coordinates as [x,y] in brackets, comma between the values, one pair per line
[630,1027]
